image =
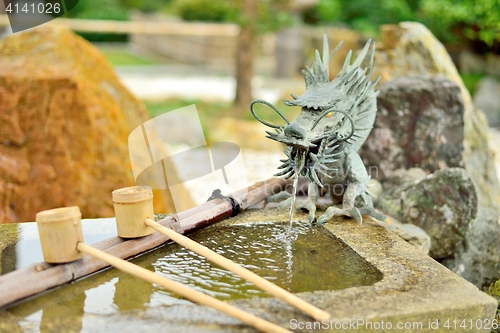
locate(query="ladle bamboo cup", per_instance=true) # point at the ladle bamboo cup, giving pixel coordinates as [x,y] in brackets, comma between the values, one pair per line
[62,241]
[131,221]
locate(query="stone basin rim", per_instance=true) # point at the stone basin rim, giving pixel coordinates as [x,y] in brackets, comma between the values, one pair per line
[414,286]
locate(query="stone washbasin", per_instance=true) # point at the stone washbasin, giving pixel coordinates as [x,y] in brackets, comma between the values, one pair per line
[386,282]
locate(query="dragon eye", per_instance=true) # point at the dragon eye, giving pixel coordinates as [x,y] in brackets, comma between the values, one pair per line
[328,115]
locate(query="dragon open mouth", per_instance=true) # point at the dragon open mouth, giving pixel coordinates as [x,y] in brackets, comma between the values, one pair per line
[315,147]
[311,158]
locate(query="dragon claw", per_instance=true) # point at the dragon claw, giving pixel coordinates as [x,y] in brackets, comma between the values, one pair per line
[279,197]
[308,205]
[285,204]
[322,147]
[369,211]
[321,220]
[332,211]
[356,215]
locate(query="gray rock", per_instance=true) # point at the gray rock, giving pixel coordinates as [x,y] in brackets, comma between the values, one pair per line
[414,235]
[477,257]
[443,204]
[409,48]
[493,65]
[419,124]
[487,98]
[401,176]
[6,31]
[471,63]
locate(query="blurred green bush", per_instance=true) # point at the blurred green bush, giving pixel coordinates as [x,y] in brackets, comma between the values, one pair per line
[271,13]
[476,23]
[101,10]
[471,23]
[206,10]
[146,6]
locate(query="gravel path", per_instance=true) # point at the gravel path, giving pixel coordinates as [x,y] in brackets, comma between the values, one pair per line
[160,83]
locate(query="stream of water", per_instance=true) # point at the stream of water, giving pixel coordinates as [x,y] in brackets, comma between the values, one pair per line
[297,259]
[292,203]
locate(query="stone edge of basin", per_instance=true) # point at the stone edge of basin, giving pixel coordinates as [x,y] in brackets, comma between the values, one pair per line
[414,288]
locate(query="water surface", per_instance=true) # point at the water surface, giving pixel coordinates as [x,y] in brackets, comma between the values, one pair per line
[306,259]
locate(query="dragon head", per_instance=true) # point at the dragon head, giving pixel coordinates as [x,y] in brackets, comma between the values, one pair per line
[335,115]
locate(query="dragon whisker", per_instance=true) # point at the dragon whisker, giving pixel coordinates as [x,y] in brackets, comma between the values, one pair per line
[324,174]
[315,178]
[285,165]
[287,170]
[272,107]
[335,120]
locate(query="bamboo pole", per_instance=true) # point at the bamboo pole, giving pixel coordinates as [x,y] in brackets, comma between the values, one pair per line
[42,276]
[260,282]
[178,288]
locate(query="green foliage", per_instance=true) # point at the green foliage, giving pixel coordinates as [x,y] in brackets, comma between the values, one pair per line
[124,58]
[271,15]
[146,6]
[364,15]
[100,10]
[471,81]
[205,10]
[494,290]
[454,19]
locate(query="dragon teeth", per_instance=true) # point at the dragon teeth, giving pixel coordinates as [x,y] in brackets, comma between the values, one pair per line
[315,178]
[313,157]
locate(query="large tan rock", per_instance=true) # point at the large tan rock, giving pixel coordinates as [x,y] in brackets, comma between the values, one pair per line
[64,124]
[407,49]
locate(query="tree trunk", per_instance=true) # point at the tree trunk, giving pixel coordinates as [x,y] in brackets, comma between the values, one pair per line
[245,54]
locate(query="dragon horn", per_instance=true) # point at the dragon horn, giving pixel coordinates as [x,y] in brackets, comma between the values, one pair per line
[346,64]
[326,60]
[362,55]
[336,49]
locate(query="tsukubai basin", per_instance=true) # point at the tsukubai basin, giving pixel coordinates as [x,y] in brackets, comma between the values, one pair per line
[367,278]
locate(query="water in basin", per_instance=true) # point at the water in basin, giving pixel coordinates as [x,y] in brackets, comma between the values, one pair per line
[307,259]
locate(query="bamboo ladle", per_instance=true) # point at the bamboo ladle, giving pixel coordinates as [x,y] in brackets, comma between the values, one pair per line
[134,218]
[61,239]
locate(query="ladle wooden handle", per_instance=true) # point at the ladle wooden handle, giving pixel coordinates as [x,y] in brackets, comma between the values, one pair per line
[260,282]
[178,288]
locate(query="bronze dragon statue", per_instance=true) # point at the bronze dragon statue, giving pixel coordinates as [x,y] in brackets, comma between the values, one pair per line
[323,141]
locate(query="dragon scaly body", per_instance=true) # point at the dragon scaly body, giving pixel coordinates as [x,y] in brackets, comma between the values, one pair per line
[323,141]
